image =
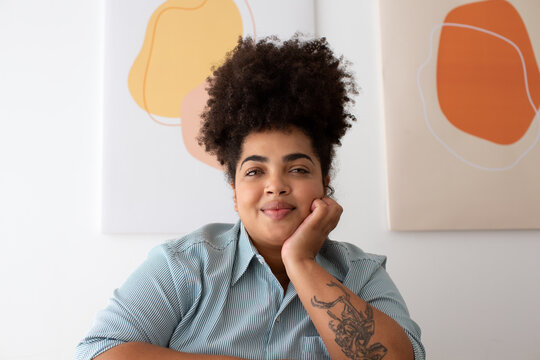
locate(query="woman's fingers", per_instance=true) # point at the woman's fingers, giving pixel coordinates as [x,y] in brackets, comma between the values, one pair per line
[326,213]
[310,235]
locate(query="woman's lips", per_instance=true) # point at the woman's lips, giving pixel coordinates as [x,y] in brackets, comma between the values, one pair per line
[277,210]
[277,214]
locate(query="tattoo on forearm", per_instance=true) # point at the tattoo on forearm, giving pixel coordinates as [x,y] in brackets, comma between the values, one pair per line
[353,328]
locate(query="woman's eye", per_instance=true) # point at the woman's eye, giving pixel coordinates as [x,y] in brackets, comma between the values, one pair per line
[253,172]
[299,171]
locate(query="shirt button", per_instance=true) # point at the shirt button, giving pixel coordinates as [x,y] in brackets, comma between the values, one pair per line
[278,318]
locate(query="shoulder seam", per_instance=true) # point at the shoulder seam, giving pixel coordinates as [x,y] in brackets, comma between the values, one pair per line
[187,247]
[367,257]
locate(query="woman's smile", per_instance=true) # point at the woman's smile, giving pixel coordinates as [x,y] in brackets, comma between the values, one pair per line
[277,210]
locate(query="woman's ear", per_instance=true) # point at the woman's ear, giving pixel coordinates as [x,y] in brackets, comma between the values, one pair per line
[234,196]
[326,183]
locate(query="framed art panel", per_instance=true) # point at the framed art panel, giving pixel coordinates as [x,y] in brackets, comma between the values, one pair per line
[156,178]
[461,98]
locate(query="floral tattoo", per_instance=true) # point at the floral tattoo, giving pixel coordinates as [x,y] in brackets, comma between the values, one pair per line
[353,329]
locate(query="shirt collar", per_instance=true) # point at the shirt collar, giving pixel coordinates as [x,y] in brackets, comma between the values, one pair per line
[245,251]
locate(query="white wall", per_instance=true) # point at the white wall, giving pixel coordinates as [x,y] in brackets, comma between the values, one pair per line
[476,295]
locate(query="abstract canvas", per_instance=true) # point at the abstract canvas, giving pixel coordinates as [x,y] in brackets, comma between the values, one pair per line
[158,54]
[461,87]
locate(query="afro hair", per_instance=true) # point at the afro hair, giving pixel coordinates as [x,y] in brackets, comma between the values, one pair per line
[274,85]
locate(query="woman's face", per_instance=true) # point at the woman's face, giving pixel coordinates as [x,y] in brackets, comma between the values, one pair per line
[277,178]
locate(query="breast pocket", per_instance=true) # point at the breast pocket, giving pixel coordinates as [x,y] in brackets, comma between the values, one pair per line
[313,348]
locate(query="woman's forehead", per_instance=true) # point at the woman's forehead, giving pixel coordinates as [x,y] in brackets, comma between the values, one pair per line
[277,142]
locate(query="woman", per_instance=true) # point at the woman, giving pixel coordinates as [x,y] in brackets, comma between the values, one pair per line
[271,286]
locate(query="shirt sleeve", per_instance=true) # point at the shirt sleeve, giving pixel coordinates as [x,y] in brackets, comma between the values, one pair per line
[146,308]
[381,292]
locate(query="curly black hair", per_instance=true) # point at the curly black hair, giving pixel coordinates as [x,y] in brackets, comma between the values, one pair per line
[275,85]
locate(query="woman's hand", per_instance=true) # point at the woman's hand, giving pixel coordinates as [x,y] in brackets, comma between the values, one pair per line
[306,241]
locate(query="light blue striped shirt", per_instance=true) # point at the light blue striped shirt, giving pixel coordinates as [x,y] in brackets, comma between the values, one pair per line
[211,292]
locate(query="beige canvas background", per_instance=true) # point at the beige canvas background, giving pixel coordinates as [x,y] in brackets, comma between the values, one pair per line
[430,188]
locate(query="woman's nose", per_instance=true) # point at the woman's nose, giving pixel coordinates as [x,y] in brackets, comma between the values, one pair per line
[277,185]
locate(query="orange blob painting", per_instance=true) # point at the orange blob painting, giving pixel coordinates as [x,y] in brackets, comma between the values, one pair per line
[488,81]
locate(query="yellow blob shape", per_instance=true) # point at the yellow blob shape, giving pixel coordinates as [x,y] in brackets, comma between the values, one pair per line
[184,39]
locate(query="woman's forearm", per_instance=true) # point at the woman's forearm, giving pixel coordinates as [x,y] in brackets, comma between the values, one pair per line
[145,351]
[347,324]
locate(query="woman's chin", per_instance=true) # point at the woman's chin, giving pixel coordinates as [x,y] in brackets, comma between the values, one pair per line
[279,236]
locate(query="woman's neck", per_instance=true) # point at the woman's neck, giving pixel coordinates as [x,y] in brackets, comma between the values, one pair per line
[275,262]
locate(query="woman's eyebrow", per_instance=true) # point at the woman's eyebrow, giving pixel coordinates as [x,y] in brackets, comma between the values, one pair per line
[296,156]
[258,158]
[286,158]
